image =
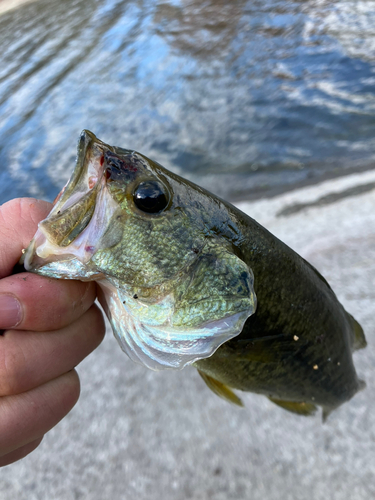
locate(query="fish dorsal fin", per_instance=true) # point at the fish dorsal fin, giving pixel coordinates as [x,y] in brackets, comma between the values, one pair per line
[301,408]
[220,389]
[359,336]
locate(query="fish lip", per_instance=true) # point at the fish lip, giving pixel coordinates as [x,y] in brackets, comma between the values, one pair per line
[84,142]
[87,144]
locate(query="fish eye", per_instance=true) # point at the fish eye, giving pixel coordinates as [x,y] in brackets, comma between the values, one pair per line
[150,197]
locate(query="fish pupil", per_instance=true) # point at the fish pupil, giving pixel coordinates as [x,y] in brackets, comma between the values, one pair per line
[150,197]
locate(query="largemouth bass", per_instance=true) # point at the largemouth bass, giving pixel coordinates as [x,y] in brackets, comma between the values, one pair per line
[188,279]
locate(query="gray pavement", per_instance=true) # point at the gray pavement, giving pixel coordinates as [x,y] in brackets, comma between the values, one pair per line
[136,434]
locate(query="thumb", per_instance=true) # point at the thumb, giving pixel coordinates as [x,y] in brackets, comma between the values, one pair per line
[18,223]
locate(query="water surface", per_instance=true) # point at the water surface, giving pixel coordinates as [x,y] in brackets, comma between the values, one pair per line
[243,97]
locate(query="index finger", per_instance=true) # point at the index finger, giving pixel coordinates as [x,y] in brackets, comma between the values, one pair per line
[32,302]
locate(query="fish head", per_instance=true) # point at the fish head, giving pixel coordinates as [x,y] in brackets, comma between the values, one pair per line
[163,251]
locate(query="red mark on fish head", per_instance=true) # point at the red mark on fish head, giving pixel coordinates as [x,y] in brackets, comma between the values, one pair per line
[89,249]
[131,167]
[119,168]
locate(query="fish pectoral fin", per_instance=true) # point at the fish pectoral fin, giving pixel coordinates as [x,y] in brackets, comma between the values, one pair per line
[221,390]
[302,408]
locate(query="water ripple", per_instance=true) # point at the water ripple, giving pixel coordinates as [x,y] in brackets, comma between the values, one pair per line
[242,97]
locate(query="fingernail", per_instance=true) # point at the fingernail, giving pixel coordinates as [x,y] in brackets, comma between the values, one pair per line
[10,311]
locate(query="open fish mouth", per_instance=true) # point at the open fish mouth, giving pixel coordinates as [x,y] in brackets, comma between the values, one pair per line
[81,213]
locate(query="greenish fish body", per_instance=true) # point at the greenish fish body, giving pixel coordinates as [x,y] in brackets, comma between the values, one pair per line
[188,279]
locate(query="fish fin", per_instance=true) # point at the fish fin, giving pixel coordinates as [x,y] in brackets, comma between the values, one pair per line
[361,385]
[321,277]
[302,408]
[359,336]
[329,410]
[326,413]
[220,389]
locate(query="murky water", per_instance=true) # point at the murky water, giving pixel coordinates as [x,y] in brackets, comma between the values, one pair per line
[240,96]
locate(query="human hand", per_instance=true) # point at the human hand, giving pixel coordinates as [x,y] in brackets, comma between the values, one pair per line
[53,326]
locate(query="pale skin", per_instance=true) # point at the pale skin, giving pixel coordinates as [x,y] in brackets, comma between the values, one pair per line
[55,326]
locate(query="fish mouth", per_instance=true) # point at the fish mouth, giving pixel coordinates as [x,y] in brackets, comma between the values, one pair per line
[80,214]
[75,204]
